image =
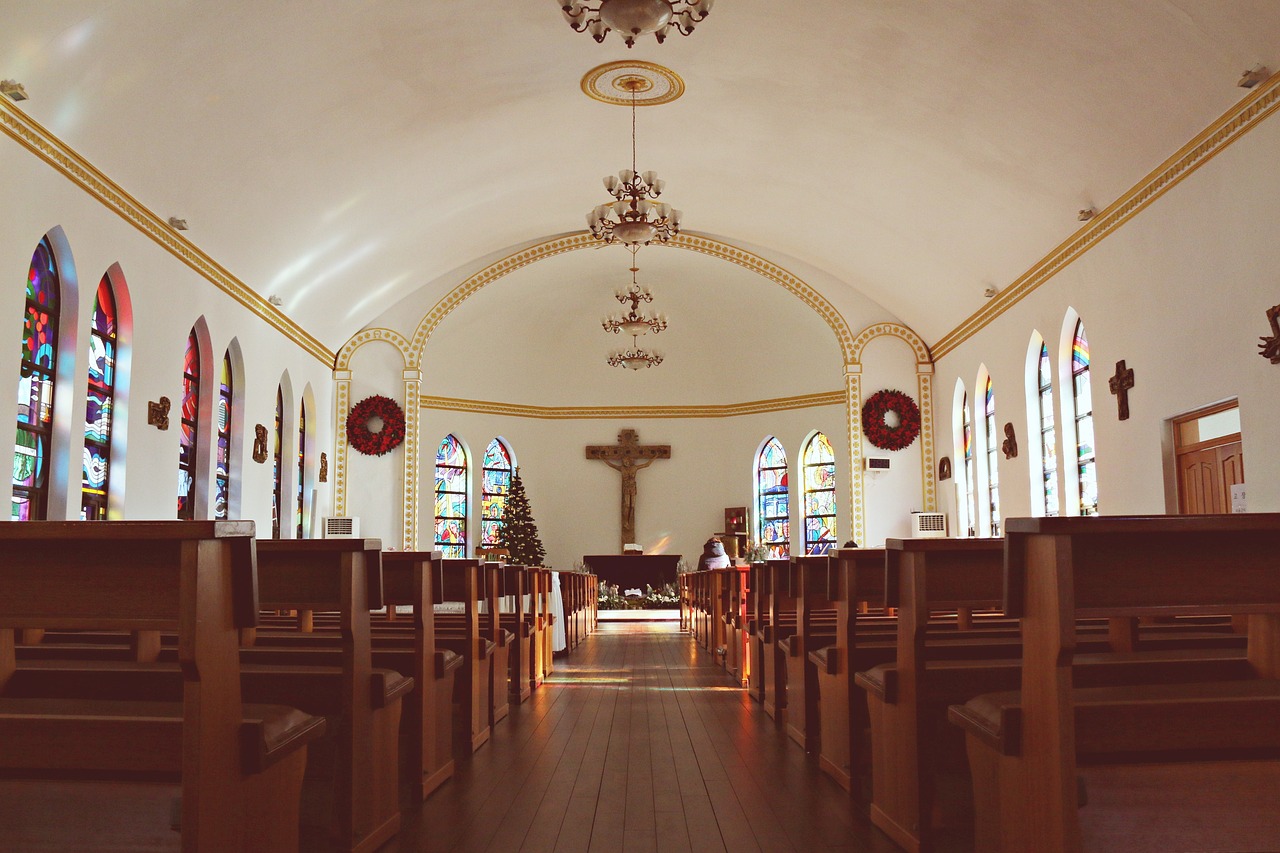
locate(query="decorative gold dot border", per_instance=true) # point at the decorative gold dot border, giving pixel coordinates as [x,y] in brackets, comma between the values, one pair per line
[602,83]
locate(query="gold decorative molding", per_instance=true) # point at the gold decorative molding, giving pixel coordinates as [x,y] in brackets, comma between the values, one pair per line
[895,330]
[928,484]
[857,473]
[614,82]
[412,389]
[1213,140]
[730,410]
[40,141]
[368,336]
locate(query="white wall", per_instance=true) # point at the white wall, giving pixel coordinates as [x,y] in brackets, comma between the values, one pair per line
[1179,293]
[167,299]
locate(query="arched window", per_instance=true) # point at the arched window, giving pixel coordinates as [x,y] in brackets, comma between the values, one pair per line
[31,456]
[993,475]
[189,440]
[302,465]
[1082,398]
[222,473]
[819,496]
[451,497]
[1048,432]
[970,514]
[773,499]
[99,402]
[277,466]
[493,491]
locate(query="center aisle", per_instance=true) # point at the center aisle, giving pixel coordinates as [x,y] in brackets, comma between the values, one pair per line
[638,743]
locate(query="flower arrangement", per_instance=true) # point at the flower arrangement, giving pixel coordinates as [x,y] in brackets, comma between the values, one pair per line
[611,597]
[878,431]
[383,441]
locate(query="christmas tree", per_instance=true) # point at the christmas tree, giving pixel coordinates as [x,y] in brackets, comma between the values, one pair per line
[519,531]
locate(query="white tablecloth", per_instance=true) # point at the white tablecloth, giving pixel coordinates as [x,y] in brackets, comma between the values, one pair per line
[558,641]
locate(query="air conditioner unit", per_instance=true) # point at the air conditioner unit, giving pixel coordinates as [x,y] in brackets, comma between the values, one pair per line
[342,528]
[878,463]
[928,525]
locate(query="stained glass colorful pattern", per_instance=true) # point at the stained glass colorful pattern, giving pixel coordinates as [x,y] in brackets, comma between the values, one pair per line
[969,509]
[222,468]
[493,492]
[302,467]
[96,467]
[773,507]
[819,496]
[188,438]
[36,387]
[993,445]
[277,466]
[1083,401]
[1048,435]
[451,498]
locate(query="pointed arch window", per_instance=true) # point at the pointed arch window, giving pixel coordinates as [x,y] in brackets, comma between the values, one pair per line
[1048,433]
[773,507]
[970,506]
[188,440]
[302,468]
[222,473]
[277,467]
[36,387]
[99,403]
[819,496]
[493,491]
[1082,399]
[993,474]
[451,497]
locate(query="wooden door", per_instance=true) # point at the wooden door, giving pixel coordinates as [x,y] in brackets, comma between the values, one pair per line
[1205,478]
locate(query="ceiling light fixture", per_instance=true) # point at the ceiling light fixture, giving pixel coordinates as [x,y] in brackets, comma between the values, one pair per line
[633,18]
[178,224]
[634,322]
[633,219]
[1086,214]
[13,90]
[634,358]
[1253,77]
[275,300]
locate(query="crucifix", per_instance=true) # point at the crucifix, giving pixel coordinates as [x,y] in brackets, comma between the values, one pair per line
[1120,385]
[628,456]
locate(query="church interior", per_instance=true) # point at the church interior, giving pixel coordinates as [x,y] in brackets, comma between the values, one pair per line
[324,269]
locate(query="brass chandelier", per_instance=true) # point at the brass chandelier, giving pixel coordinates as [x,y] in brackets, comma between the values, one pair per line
[634,358]
[634,322]
[633,18]
[633,218]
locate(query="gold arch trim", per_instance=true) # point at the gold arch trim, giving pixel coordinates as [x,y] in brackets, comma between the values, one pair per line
[1213,140]
[894,330]
[40,141]
[731,410]
[369,336]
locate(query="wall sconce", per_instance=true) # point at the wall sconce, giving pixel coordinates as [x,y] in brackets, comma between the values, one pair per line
[13,90]
[1253,77]
[1086,214]
[178,224]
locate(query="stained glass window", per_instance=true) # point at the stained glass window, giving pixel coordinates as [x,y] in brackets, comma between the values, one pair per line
[1082,395]
[970,507]
[97,418]
[451,498]
[819,496]
[302,464]
[493,492]
[773,508]
[993,474]
[222,476]
[277,466]
[188,440]
[1048,435]
[35,387]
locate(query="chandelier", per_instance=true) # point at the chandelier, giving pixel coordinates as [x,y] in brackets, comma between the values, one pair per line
[634,358]
[634,18]
[633,218]
[634,322]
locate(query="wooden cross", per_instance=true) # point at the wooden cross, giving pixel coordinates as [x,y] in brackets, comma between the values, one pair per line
[1120,385]
[625,457]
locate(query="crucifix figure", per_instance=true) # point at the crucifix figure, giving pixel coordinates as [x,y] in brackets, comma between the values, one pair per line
[628,456]
[1120,385]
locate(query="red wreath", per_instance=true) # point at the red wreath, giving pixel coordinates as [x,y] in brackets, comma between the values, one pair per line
[385,440]
[880,433]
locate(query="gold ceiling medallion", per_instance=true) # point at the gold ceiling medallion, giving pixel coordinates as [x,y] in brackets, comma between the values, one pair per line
[616,82]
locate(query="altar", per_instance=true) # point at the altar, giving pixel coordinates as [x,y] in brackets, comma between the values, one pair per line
[633,571]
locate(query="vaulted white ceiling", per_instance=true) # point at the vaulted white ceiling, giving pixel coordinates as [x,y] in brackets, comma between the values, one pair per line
[345,155]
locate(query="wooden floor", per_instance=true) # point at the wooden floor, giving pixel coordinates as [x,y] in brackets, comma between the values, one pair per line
[638,743]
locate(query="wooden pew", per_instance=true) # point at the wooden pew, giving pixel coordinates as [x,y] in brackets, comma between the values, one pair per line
[525,629]
[406,578]
[1026,748]
[241,766]
[459,581]
[808,588]
[757,640]
[781,625]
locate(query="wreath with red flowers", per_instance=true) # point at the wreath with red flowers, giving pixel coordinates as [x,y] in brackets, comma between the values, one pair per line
[383,441]
[879,433]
